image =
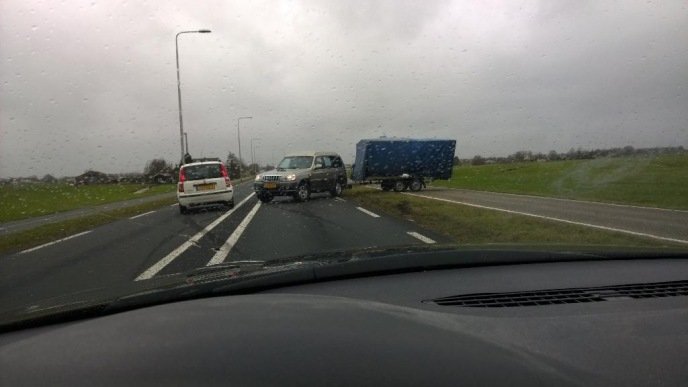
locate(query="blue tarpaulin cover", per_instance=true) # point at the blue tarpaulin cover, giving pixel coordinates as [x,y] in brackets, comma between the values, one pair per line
[393,157]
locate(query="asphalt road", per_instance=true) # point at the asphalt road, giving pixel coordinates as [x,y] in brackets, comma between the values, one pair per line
[165,242]
[656,223]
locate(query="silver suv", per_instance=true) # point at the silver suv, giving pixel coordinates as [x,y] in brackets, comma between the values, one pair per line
[299,174]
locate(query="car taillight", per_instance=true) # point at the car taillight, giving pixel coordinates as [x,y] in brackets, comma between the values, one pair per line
[182,179]
[223,170]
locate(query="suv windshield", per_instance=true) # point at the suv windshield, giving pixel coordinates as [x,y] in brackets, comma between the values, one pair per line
[203,171]
[296,162]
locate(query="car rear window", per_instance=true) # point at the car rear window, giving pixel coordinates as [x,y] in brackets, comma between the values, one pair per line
[199,172]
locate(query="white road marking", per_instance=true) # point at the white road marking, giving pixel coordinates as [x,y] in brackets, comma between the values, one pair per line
[54,242]
[566,200]
[140,215]
[155,269]
[374,215]
[339,199]
[174,205]
[226,247]
[420,237]
[642,234]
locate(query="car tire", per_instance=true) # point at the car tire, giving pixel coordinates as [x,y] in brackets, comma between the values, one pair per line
[336,190]
[416,185]
[183,210]
[230,204]
[265,198]
[399,186]
[303,193]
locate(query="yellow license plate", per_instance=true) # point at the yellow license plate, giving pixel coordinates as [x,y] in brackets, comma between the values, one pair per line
[270,185]
[205,187]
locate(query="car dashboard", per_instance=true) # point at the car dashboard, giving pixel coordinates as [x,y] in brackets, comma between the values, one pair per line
[622,322]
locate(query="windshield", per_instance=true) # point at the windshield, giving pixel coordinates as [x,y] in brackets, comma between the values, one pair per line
[551,125]
[296,162]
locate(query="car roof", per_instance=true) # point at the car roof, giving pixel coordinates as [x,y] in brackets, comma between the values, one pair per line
[311,153]
[201,163]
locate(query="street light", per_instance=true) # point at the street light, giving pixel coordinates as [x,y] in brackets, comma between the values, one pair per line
[186,142]
[253,154]
[239,140]
[179,87]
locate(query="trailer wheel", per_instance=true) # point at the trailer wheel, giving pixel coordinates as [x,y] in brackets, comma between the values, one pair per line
[399,186]
[416,185]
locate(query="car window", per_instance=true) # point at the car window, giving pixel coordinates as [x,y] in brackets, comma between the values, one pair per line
[327,163]
[296,162]
[199,172]
[336,161]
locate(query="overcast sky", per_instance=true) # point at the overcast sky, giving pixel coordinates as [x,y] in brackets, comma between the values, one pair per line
[92,84]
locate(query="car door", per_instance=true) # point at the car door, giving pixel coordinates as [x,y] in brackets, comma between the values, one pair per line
[319,174]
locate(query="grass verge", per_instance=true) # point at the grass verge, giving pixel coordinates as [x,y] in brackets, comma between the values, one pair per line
[654,181]
[49,232]
[468,225]
[29,200]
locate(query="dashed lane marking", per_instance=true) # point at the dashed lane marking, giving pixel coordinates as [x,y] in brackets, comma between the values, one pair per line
[421,237]
[140,215]
[374,215]
[54,242]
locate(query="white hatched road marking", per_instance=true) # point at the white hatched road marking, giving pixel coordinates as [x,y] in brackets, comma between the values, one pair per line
[155,269]
[140,215]
[421,237]
[374,215]
[642,234]
[54,242]
[226,247]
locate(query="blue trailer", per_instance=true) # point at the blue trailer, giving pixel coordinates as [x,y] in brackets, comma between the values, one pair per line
[403,163]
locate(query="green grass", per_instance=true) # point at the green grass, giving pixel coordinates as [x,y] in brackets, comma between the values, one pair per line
[49,232]
[468,225]
[28,200]
[658,181]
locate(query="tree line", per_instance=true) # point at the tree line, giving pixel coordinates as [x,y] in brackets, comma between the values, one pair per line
[572,154]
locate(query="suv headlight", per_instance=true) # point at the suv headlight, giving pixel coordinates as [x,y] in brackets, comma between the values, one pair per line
[258,178]
[291,177]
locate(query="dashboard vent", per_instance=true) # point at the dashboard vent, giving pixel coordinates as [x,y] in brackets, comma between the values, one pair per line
[567,296]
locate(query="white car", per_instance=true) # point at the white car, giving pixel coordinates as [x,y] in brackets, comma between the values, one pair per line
[204,183]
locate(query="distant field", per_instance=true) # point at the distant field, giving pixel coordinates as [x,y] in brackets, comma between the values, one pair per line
[659,181]
[28,200]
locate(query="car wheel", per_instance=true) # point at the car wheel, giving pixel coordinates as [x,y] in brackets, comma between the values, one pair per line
[265,198]
[416,185]
[399,186]
[303,193]
[183,210]
[337,190]
[230,204]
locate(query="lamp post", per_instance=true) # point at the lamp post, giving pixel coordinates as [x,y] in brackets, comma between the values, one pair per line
[179,87]
[253,153]
[239,139]
[186,142]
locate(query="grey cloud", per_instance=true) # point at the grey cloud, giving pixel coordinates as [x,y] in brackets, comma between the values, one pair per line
[94,86]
